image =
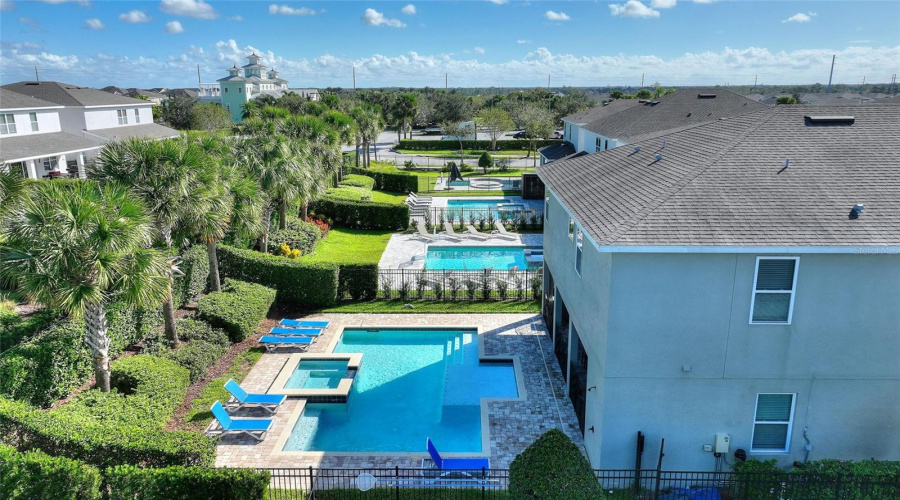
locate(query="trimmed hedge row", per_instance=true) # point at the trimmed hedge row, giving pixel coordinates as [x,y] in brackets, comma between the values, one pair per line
[397,182]
[360,282]
[349,193]
[206,345]
[480,144]
[195,266]
[356,180]
[298,234]
[302,284]
[552,468]
[238,309]
[15,329]
[34,474]
[363,214]
[127,482]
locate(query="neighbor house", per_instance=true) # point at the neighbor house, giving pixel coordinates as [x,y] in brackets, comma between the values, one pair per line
[738,278]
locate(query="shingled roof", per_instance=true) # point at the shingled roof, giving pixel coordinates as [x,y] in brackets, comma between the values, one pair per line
[684,107]
[598,112]
[724,183]
[70,95]
[15,100]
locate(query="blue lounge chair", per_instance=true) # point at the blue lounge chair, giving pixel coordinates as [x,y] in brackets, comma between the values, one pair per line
[305,332]
[464,466]
[304,324]
[276,341]
[253,427]
[240,398]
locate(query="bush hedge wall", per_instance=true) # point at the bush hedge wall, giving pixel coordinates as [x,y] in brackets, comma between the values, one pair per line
[398,182]
[298,234]
[128,482]
[33,474]
[300,284]
[238,309]
[552,468]
[480,144]
[356,180]
[358,281]
[349,193]
[363,214]
[195,266]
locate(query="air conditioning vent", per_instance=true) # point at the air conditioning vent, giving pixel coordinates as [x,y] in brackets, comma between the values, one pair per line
[706,96]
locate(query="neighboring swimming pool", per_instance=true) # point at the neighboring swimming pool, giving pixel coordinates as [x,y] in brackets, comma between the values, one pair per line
[412,384]
[481,208]
[475,257]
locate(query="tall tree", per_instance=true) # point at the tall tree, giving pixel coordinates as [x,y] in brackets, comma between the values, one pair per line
[176,111]
[496,121]
[405,107]
[74,246]
[276,163]
[538,124]
[209,117]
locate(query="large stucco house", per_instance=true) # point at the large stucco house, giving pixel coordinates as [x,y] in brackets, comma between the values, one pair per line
[737,277]
[53,129]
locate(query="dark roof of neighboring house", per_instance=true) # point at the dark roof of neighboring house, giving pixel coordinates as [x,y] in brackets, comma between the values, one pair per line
[232,78]
[146,93]
[112,89]
[187,92]
[15,100]
[147,131]
[69,95]
[724,183]
[684,107]
[597,112]
[557,151]
[42,145]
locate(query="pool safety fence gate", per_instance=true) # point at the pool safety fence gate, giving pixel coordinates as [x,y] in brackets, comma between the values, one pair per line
[442,285]
[514,218]
[490,484]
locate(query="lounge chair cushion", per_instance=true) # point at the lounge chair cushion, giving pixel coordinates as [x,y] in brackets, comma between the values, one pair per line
[308,332]
[271,339]
[304,323]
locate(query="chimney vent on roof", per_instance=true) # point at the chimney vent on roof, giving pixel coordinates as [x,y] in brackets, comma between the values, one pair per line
[857,209]
[787,162]
[706,96]
[657,157]
[830,120]
[643,101]
[637,149]
[664,144]
[690,113]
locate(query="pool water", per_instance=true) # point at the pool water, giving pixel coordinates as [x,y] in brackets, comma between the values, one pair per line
[480,257]
[317,374]
[481,208]
[412,384]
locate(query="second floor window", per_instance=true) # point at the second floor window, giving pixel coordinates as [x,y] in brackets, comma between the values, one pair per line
[34,123]
[571,229]
[7,124]
[579,250]
[597,142]
[547,208]
[773,290]
[137,116]
[123,116]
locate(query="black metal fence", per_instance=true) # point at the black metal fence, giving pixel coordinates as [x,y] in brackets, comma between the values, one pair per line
[442,184]
[446,285]
[513,216]
[492,484]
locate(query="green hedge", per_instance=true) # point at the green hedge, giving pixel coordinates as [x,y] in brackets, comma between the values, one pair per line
[15,329]
[397,182]
[358,281]
[238,309]
[356,180]
[349,193]
[186,483]
[299,284]
[480,144]
[552,468]
[363,214]
[33,474]
[195,266]
[298,234]
[97,444]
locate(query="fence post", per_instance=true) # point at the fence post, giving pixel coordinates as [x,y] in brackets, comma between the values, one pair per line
[662,446]
[397,482]
[483,479]
[312,488]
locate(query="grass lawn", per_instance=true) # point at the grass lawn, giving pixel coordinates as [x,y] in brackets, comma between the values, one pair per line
[199,416]
[426,306]
[388,197]
[351,246]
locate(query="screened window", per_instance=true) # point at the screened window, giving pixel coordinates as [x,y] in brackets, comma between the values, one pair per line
[137,116]
[123,116]
[571,229]
[49,164]
[597,144]
[772,423]
[579,250]
[34,123]
[773,290]
[605,145]
[547,208]
[7,124]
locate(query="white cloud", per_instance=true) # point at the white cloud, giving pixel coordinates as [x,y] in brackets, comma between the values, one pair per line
[478,50]
[522,41]
[663,4]
[498,2]
[286,10]
[189,8]
[632,8]
[94,24]
[134,17]
[705,1]
[800,18]
[174,27]
[374,18]
[6,5]
[861,41]
[82,3]
[409,10]
[236,18]
[557,16]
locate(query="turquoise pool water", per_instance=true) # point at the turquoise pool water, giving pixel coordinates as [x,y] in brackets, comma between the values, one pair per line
[481,208]
[411,384]
[481,257]
[317,374]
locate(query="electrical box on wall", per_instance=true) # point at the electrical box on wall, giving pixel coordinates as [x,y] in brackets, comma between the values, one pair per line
[723,441]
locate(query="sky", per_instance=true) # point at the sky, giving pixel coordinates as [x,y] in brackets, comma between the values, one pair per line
[476,43]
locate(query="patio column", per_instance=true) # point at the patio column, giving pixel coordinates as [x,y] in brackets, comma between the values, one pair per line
[61,164]
[32,171]
[80,160]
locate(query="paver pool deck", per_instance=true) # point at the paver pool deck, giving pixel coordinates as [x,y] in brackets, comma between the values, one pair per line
[513,424]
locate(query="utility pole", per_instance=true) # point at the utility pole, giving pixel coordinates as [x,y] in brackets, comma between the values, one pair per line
[198,77]
[549,97]
[37,77]
[642,80]
[354,78]
[446,80]
[754,81]
[833,57]
[864,80]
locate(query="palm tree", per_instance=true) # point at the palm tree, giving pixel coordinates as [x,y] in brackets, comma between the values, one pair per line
[171,177]
[250,109]
[12,190]
[277,165]
[322,154]
[74,246]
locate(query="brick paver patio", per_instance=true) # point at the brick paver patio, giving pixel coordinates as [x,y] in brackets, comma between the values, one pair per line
[513,424]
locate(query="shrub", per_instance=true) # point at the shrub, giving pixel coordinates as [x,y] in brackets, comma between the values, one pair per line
[552,468]
[349,193]
[196,357]
[485,161]
[127,482]
[195,266]
[882,480]
[15,329]
[356,180]
[420,145]
[192,330]
[398,182]
[238,309]
[100,445]
[758,479]
[298,284]
[33,474]
[358,281]
[298,234]
[363,214]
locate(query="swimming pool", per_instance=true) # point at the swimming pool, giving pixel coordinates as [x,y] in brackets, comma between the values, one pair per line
[475,257]
[411,384]
[317,374]
[481,208]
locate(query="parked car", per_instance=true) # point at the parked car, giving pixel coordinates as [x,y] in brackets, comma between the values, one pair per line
[521,135]
[557,135]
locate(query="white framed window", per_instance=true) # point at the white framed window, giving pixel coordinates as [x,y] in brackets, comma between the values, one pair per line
[226,90]
[774,284]
[7,124]
[571,229]
[547,208]
[34,123]
[49,163]
[123,116]
[137,116]
[597,144]
[772,423]
[579,249]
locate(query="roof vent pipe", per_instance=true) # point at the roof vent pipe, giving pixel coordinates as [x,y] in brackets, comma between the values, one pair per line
[657,157]
[664,144]
[858,208]
[787,162]
[637,149]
